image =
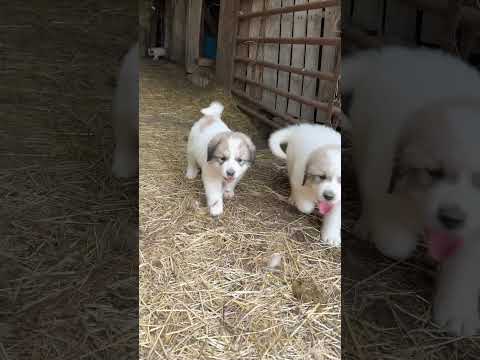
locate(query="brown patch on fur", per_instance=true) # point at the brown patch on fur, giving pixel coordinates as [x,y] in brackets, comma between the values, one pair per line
[205,122]
[218,146]
[427,137]
[247,148]
[319,161]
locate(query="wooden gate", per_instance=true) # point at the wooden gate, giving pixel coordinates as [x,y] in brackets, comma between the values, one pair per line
[286,62]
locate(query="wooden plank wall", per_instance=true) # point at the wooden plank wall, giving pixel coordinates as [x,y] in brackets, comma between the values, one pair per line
[312,56]
[298,58]
[271,53]
[177,39]
[242,50]
[328,60]
[396,21]
[312,23]
[226,42]
[255,51]
[192,34]
[285,53]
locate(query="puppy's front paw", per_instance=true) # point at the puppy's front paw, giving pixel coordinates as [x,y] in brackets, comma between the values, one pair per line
[191,173]
[228,194]
[217,208]
[394,241]
[331,237]
[458,315]
[305,206]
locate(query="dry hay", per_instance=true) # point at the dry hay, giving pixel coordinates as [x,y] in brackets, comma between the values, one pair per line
[206,290]
[386,304]
[67,285]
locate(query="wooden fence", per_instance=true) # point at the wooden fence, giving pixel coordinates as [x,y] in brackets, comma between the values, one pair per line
[286,59]
[453,25]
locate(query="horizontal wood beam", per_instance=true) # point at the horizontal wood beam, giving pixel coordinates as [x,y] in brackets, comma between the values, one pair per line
[259,116]
[243,95]
[316,104]
[315,74]
[289,9]
[468,14]
[360,38]
[324,41]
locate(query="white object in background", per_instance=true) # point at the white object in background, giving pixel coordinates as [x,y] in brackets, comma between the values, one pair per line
[156,52]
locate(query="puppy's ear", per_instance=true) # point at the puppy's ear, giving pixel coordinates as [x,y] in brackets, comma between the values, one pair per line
[252,150]
[305,176]
[212,145]
[305,172]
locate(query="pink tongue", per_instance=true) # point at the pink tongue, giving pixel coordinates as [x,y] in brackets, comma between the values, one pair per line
[441,245]
[324,207]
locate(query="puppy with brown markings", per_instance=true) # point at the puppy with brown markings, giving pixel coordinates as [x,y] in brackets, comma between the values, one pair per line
[222,156]
[415,120]
[314,167]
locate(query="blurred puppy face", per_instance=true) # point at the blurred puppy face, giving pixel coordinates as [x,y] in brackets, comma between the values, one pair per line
[440,170]
[232,153]
[323,175]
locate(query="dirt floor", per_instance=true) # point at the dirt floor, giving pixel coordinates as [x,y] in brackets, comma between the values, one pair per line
[68,284]
[206,291]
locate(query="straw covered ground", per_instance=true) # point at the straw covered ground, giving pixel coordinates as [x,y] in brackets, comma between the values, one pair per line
[68,284]
[386,304]
[206,289]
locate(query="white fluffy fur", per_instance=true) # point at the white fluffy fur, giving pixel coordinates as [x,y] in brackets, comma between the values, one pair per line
[125,117]
[389,88]
[303,140]
[215,172]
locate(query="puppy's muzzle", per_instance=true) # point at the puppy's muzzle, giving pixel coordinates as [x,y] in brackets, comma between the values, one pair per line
[451,217]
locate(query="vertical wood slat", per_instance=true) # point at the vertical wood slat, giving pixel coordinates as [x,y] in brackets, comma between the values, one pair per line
[312,55]
[271,52]
[192,34]
[432,26]
[242,50]
[328,59]
[226,43]
[286,29]
[400,22]
[298,58]
[367,15]
[254,49]
[177,43]
[283,91]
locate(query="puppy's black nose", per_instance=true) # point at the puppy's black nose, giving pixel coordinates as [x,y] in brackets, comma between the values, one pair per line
[451,217]
[230,172]
[328,195]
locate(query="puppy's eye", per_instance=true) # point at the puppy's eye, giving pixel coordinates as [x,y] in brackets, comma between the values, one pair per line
[241,161]
[223,159]
[319,178]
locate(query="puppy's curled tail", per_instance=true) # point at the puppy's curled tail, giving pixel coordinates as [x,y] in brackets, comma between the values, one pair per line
[276,139]
[215,109]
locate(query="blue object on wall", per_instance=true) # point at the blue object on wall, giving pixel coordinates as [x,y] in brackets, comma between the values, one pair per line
[210,47]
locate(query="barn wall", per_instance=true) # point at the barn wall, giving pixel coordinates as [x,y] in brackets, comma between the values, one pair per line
[404,21]
[287,92]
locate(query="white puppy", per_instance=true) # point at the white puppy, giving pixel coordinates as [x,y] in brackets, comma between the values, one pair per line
[223,156]
[416,120]
[314,168]
[125,117]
